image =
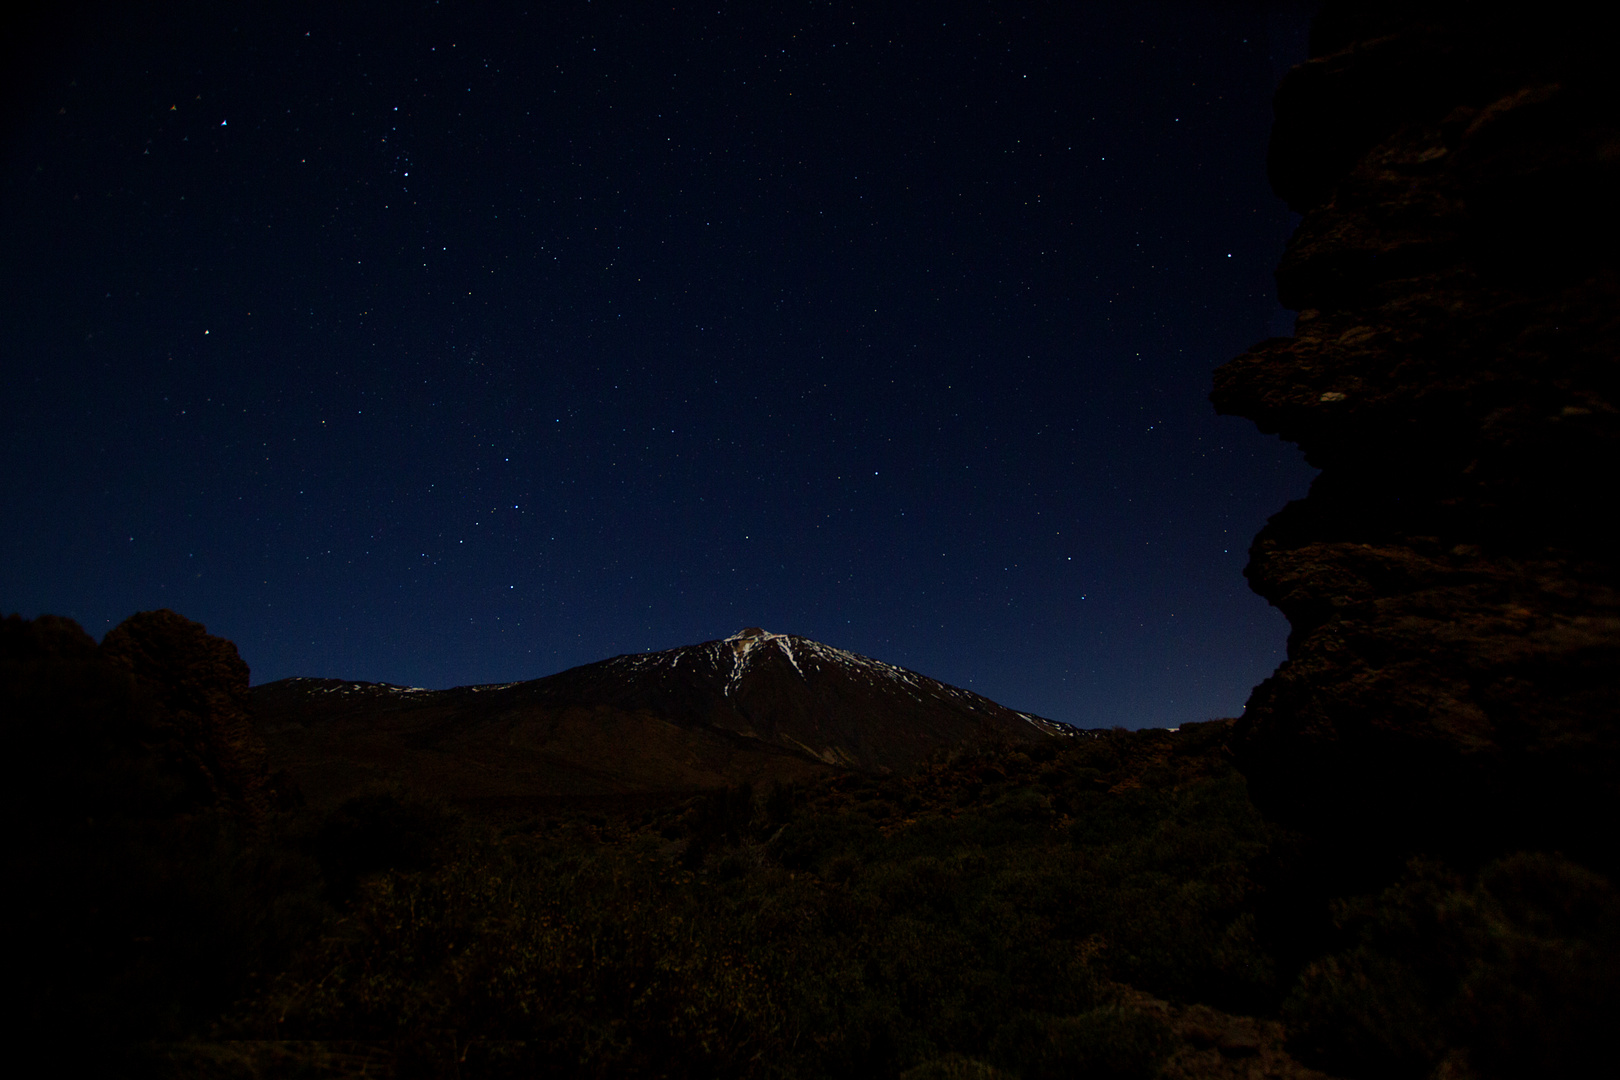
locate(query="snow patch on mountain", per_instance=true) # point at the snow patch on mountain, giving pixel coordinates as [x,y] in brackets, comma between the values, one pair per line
[734,657]
[339,687]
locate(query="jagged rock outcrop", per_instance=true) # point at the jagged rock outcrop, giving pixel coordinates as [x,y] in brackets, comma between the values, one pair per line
[142,870]
[153,720]
[195,687]
[1450,578]
[69,722]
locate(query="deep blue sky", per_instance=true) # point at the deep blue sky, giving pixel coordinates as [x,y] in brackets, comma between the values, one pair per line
[444,343]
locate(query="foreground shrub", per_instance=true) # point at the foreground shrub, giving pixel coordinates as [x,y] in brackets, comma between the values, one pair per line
[954,1067]
[1109,1043]
[1519,965]
[380,830]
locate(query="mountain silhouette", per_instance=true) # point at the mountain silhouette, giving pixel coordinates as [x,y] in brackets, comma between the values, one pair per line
[753,707]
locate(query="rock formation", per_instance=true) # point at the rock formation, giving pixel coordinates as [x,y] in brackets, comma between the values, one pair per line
[143,872]
[1450,578]
[195,687]
[159,708]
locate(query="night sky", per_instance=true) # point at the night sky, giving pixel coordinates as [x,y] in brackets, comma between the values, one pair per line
[447,343]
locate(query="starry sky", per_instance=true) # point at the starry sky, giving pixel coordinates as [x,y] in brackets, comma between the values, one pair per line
[449,343]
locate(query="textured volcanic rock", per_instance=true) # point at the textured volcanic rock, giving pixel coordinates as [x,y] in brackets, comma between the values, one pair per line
[196,688]
[755,706]
[66,715]
[1450,578]
[154,720]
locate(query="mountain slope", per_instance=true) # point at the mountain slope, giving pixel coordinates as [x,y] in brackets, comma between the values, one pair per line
[753,707]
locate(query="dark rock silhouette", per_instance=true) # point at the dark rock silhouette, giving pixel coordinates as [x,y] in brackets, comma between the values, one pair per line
[161,705]
[149,881]
[750,708]
[71,723]
[195,689]
[1450,578]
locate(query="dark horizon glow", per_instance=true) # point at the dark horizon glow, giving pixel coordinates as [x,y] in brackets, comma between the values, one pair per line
[437,344]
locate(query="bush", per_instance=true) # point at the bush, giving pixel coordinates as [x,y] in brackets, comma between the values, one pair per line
[1520,965]
[812,841]
[954,1067]
[382,830]
[1109,1043]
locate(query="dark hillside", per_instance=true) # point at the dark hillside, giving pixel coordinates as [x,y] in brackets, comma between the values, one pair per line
[1036,912]
[1109,904]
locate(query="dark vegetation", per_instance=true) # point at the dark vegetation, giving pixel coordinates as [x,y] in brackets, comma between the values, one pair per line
[1517,963]
[999,912]
[986,907]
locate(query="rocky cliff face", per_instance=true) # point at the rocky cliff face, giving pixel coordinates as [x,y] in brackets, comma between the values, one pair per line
[1450,578]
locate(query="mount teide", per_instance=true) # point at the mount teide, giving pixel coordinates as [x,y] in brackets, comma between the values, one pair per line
[753,707]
